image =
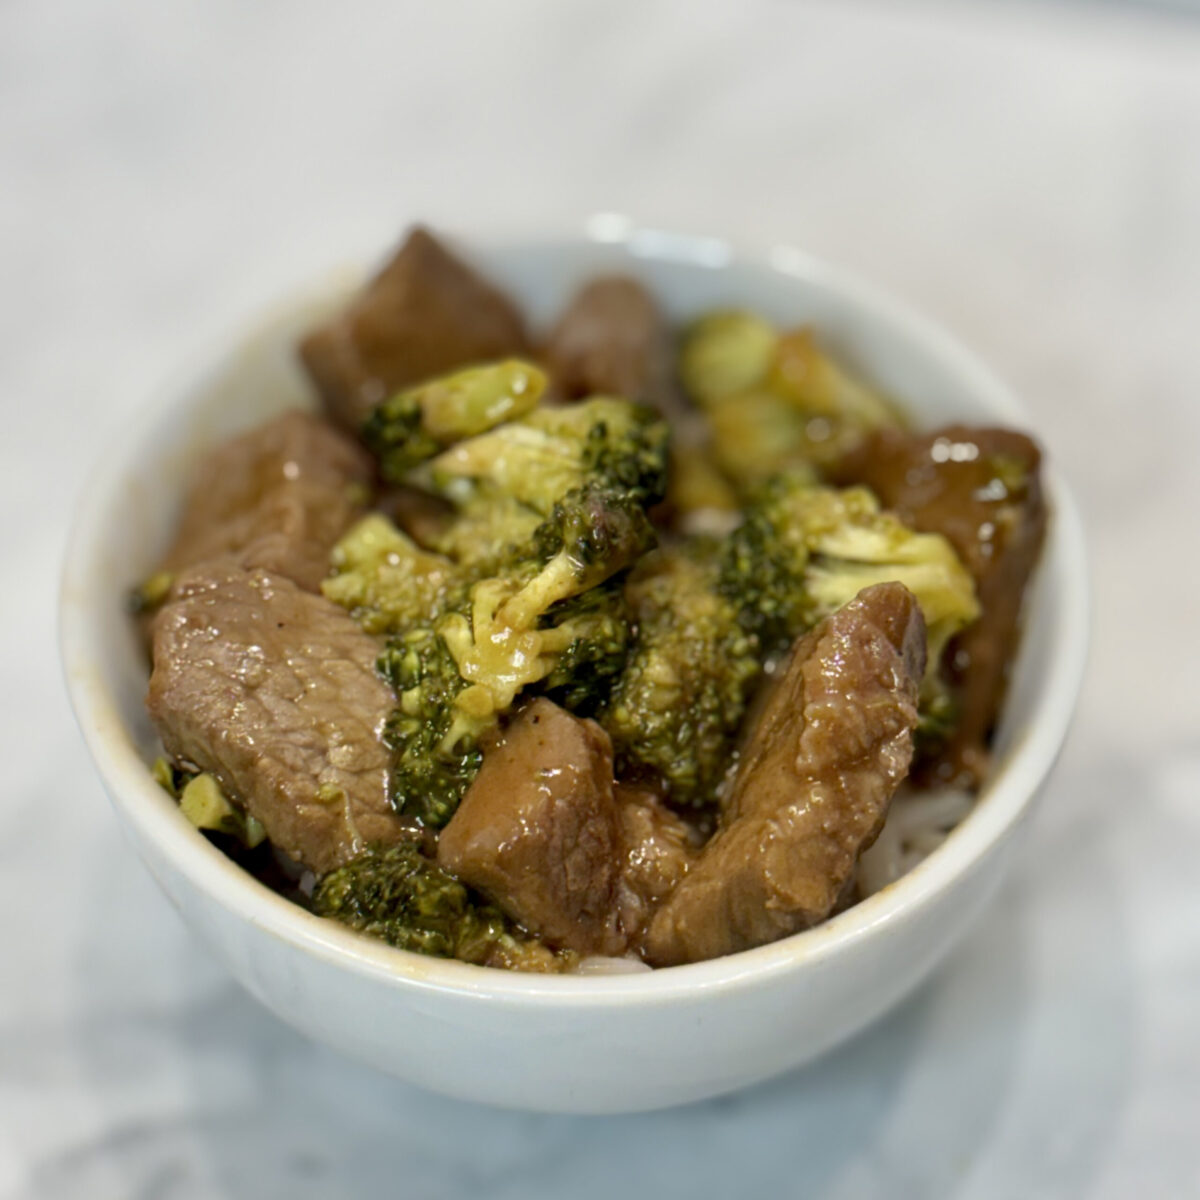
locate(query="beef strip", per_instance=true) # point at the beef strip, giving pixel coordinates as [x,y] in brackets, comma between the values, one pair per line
[658,848]
[538,830]
[274,691]
[425,313]
[829,746]
[278,497]
[613,340]
[980,489]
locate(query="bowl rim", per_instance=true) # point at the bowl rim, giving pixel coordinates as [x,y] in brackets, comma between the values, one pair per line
[997,811]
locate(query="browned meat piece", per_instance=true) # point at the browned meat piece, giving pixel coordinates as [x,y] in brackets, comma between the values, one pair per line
[538,830]
[657,848]
[274,691]
[829,747]
[980,488]
[424,313]
[278,497]
[613,341]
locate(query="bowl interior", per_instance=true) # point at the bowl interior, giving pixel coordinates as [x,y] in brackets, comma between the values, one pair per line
[128,511]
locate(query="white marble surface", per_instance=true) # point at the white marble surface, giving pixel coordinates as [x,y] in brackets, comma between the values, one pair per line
[1028,173]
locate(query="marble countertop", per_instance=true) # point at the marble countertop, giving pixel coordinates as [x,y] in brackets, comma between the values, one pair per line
[1027,173]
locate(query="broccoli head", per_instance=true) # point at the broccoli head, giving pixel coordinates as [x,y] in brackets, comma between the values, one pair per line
[414,425]
[385,579]
[544,619]
[726,353]
[763,562]
[853,545]
[821,388]
[399,895]
[433,739]
[506,482]
[508,637]
[549,452]
[803,551]
[677,705]
[594,629]
[489,532]
[593,533]
[775,401]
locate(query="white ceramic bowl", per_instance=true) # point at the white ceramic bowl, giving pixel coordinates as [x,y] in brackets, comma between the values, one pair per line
[574,1044]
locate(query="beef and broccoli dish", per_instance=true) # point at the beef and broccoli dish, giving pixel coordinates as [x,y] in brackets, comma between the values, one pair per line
[606,646]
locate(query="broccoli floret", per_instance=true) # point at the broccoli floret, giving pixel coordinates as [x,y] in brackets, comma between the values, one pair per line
[774,401]
[489,532]
[549,452]
[822,388]
[506,482]
[404,898]
[508,638]
[592,534]
[804,551]
[456,675]
[393,587]
[551,506]
[676,708]
[763,562]
[386,580]
[707,617]
[853,545]
[416,424]
[726,353]
[596,629]
[757,434]
[434,740]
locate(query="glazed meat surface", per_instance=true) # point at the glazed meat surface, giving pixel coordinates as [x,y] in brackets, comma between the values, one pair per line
[821,761]
[424,313]
[658,848]
[273,690]
[612,340]
[278,498]
[538,831]
[980,489]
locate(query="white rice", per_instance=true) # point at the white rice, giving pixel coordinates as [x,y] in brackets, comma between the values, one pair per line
[917,825]
[598,964]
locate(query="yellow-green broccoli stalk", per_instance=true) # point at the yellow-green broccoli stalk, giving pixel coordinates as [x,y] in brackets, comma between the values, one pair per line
[414,425]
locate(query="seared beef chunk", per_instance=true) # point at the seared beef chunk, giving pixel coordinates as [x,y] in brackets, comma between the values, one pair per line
[424,313]
[827,751]
[538,830]
[980,489]
[613,341]
[278,498]
[657,848]
[274,691]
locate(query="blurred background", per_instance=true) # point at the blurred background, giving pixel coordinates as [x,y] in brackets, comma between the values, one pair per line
[1027,173]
